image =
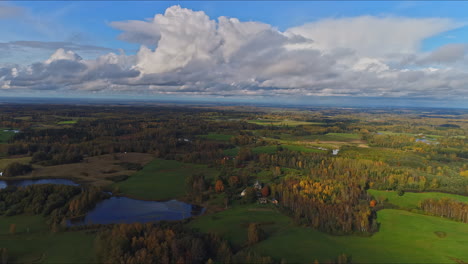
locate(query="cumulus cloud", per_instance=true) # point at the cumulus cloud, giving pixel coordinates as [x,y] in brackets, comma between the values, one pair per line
[186,52]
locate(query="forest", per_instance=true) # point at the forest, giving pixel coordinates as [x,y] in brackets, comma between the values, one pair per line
[239,181]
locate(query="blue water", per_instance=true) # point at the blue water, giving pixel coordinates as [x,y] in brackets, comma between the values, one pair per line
[21,183]
[127,210]
[122,209]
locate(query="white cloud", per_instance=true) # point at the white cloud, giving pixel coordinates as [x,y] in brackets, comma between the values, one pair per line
[373,36]
[186,52]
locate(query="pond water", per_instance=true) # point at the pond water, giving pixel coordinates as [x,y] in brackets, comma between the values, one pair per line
[21,183]
[122,209]
[127,210]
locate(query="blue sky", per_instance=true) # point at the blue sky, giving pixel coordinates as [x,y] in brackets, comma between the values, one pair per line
[89,19]
[79,33]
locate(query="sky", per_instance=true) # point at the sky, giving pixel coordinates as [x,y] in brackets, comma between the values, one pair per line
[260,51]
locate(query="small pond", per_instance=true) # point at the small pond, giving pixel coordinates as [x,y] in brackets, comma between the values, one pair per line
[122,209]
[127,210]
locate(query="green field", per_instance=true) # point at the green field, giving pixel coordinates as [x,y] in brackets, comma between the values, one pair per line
[5,135]
[272,149]
[162,179]
[217,137]
[232,224]
[39,245]
[231,152]
[411,200]
[67,122]
[5,162]
[404,237]
[274,122]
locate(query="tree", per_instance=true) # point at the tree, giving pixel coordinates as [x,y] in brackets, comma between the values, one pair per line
[253,235]
[219,186]
[372,203]
[12,229]
[265,191]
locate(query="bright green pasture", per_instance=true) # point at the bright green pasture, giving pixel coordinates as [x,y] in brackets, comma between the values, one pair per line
[232,224]
[411,200]
[162,179]
[404,237]
[217,137]
[67,122]
[39,245]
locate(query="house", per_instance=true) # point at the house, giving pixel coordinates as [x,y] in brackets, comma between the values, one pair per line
[335,152]
[243,193]
[274,201]
[1,173]
[257,185]
[262,200]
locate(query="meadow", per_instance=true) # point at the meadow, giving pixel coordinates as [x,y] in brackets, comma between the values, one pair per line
[404,237]
[216,137]
[410,200]
[162,179]
[5,162]
[274,122]
[5,135]
[39,245]
[67,122]
[270,149]
[97,170]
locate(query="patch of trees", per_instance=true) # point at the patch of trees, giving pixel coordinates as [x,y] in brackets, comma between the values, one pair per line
[56,202]
[446,207]
[16,169]
[150,243]
[332,206]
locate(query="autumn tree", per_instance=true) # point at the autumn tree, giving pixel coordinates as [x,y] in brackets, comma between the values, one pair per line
[265,191]
[219,186]
[253,234]
[12,229]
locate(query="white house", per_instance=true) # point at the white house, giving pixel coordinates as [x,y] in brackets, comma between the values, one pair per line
[243,192]
[1,173]
[335,152]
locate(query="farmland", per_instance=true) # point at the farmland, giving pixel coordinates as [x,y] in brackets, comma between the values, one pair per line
[161,180]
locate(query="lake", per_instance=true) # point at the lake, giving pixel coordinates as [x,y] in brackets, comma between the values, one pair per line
[122,209]
[127,210]
[22,183]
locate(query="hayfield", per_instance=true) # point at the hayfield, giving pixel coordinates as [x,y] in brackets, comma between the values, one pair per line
[6,162]
[97,171]
[410,200]
[404,237]
[162,179]
[39,245]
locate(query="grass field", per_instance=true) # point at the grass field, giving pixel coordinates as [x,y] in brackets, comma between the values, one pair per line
[232,224]
[39,245]
[270,149]
[67,122]
[217,137]
[5,135]
[231,152]
[404,237]
[162,179]
[273,122]
[411,200]
[5,162]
